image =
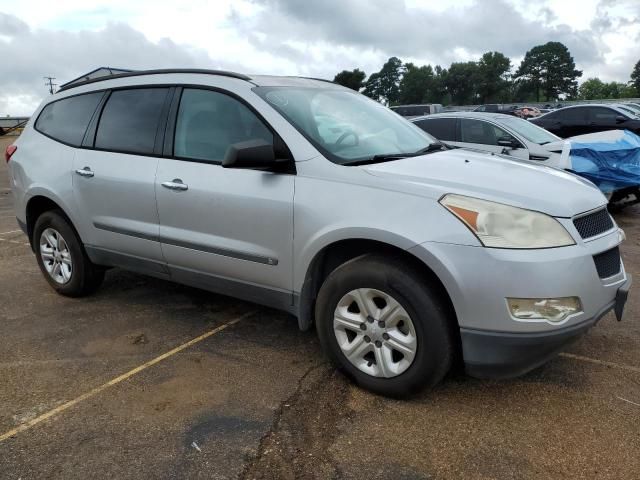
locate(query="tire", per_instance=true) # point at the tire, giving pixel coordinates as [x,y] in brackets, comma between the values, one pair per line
[380,283]
[76,276]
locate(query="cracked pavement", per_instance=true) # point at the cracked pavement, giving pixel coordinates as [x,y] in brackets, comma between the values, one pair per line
[258,400]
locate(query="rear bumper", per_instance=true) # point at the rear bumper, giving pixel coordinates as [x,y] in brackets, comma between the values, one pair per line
[504,355]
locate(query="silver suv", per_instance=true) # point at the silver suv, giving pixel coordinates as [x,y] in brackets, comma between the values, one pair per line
[308,197]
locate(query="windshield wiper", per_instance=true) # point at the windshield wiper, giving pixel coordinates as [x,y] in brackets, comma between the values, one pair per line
[432,147]
[544,143]
[385,157]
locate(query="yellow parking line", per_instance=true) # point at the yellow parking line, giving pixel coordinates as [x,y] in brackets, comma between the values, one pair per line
[621,366]
[61,408]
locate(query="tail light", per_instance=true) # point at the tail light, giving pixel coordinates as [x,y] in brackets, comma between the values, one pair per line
[11,149]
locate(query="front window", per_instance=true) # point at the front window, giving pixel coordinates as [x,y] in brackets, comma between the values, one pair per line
[528,130]
[346,126]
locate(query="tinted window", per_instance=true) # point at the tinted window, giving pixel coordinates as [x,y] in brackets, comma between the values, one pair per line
[67,119]
[130,119]
[602,115]
[477,131]
[571,115]
[208,122]
[441,128]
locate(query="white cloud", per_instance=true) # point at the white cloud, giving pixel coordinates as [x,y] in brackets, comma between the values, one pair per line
[299,37]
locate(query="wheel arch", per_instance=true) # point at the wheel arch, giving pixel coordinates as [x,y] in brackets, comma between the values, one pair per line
[36,206]
[338,252]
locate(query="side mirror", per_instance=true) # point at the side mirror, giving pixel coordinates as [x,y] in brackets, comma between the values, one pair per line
[257,154]
[620,119]
[509,142]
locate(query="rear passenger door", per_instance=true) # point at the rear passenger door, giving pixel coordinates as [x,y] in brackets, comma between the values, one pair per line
[114,179]
[224,229]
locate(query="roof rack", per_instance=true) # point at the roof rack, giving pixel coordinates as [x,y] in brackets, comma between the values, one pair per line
[156,72]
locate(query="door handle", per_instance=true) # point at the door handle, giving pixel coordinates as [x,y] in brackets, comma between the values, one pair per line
[85,172]
[175,184]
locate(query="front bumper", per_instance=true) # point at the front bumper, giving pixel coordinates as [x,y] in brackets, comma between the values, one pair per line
[505,355]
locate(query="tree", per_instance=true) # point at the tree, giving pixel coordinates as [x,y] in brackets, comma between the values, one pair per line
[591,89]
[635,77]
[493,70]
[461,82]
[550,68]
[384,85]
[595,89]
[353,79]
[417,84]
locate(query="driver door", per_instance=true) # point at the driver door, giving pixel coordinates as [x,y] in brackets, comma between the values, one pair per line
[224,229]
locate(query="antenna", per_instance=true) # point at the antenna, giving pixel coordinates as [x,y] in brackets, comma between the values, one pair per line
[49,83]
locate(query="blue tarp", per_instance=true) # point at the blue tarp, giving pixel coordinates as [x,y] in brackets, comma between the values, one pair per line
[611,160]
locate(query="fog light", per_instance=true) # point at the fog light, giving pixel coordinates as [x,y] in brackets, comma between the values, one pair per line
[550,309]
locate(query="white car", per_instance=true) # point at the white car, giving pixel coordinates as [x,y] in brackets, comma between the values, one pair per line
[497,133]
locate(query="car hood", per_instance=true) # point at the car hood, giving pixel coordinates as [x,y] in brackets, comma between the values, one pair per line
[491,177]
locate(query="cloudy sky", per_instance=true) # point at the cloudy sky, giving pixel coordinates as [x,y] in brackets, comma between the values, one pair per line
[297,37]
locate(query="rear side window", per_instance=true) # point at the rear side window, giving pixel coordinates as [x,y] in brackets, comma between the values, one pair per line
[442,128]
[208,122]
[572,115]
[130,119]
[66,120]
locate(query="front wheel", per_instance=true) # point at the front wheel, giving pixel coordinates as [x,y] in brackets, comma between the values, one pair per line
[384,326]
[61,257]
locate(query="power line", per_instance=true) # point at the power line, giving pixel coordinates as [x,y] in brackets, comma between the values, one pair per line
[49,83]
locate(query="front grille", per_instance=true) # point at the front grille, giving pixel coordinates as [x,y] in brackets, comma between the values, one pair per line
[608,263]
[594,223]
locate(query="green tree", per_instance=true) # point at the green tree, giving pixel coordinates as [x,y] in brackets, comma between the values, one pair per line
[550,68]
[384,86]
[461,82]
[417,84]
[592,89]
[353,79]
[635,78]
[493,71]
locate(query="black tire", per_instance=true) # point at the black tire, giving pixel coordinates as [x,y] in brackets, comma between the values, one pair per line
[85,276]
[435,340]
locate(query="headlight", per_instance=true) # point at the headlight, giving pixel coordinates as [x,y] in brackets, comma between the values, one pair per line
[501,226]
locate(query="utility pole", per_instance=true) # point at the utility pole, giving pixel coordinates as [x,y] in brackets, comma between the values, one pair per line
[49,83]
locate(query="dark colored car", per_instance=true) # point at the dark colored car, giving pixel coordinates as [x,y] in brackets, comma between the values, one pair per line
[583,119]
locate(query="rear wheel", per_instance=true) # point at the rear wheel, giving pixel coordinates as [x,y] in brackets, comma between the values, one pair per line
[383,325]
[61,257]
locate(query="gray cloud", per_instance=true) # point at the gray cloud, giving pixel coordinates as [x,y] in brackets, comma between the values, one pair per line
[394,29]
[30,54]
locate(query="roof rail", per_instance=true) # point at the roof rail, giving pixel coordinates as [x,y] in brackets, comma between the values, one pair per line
[156,72]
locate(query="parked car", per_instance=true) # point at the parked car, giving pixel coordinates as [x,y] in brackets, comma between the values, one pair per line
[521,139]
[496,108]
[410,111]
[582,119]
[634,107]
[403,254]
[493,132]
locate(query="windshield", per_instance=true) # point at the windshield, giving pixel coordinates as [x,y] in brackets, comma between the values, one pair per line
[345,126]
[528,130]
